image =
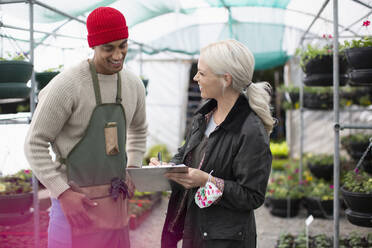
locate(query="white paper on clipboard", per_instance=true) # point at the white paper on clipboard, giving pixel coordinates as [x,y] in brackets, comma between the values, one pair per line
[151,178]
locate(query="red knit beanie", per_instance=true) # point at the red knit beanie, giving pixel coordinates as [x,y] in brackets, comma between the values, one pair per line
[104,25]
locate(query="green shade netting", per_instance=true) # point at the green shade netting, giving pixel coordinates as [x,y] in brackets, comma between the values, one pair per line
[252,3]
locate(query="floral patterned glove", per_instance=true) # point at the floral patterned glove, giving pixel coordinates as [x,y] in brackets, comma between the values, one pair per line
[208,194]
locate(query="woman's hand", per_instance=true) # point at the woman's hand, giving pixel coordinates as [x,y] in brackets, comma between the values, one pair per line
[192,179]
[155,161]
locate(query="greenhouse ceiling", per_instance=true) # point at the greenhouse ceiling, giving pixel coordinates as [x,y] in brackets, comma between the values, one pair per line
[272,29]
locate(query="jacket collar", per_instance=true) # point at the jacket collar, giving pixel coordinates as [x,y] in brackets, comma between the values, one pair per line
[236,116]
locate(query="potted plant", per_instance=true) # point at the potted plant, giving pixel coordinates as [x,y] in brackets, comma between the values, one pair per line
[284,194]
[139,210]
[357,193]
[43,78]
[356,144]
[317,63]
[320,98]
[15,72]
[318,199]
[320,165]
[358,54]
[15,197]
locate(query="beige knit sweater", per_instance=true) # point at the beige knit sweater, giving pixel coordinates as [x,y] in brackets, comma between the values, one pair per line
[63,113]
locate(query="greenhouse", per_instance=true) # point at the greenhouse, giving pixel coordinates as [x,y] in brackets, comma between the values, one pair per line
[316,55]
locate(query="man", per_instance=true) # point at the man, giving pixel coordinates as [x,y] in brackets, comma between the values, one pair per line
[93,115]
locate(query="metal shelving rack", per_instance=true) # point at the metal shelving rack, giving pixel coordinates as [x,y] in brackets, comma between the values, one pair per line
[336,110]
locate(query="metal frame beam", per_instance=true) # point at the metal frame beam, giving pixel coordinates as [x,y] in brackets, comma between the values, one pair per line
[57,11]
[314,20]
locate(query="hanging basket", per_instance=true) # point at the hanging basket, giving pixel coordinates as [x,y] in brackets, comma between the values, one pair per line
[324,65]
[321,171]
[318,208]
[359,57]
[358,202]
[284,207]
[14,90]
[319,101]
[10,219]
[15,71]
[15,203]
[43,78]
[359,219]
[360,77]
[323,79]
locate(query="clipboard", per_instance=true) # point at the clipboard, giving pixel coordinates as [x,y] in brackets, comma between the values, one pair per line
[151,178]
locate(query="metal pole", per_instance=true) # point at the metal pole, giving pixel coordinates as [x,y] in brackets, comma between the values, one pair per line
[314,20]
[58,11]
[12,1]
[141,60]
[43,32]
[35,184]
[302,132]
[355,127]
[336,157]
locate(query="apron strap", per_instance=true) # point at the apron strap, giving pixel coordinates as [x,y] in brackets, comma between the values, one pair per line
[97,90]
[118,93]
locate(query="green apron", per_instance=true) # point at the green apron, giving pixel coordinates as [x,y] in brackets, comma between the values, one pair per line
[99,171]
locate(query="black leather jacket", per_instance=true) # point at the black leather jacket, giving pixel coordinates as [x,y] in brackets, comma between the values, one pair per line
[238,151]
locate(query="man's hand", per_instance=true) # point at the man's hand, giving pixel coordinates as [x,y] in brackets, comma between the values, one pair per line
[74,206]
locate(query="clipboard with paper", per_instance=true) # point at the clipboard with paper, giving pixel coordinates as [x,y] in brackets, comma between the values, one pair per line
[151,178]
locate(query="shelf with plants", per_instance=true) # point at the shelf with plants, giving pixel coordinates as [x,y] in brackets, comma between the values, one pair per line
[316,62]
[287,240]
[44,77]
[284,193]
[358,54]
[16,198]
[15,72]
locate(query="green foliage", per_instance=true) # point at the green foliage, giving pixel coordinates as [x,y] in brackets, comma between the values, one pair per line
[20,182]
[279,150]
[16,57]
[319,159]
[363,42]
[279,164]
[354,239]
[153,152]
[285,184]
[360,182]
[312,52]
[54,69]
[320,189]
[355,138]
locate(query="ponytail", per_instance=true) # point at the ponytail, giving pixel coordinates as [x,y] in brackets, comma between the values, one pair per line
[258,95]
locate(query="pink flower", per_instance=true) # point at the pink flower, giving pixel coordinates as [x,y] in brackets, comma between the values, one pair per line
[324,36]
[297,170]
[356,170]
[139,204]
[331,186]
[330,36]
[27,171]
[366,23]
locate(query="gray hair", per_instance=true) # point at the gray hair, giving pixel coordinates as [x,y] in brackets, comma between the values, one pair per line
[234,58]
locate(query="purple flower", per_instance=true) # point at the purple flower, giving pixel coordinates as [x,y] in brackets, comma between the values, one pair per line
[331,186]
[356,170]
[297,170]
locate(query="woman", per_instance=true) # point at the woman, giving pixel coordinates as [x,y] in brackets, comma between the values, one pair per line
[229,139]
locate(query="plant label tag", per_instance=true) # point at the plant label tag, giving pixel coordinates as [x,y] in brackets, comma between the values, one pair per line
[309,220]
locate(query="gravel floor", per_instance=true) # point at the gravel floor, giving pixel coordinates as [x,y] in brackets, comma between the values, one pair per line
[268,227]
